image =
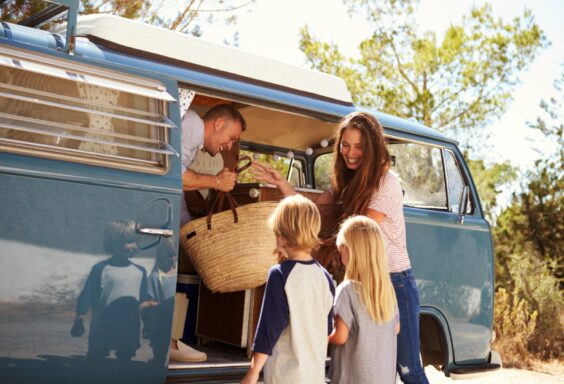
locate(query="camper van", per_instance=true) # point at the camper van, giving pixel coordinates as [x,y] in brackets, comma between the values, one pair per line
[90,157]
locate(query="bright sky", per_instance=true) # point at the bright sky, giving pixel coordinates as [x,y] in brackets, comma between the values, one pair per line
[272,27]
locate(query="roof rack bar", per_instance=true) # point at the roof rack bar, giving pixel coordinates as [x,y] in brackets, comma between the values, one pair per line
[43,16]
[53,10]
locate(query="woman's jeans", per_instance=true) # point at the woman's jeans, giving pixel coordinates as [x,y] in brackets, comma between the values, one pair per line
[408,362]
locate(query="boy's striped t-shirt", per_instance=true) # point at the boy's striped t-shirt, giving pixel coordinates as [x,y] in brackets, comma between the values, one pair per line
[296,318]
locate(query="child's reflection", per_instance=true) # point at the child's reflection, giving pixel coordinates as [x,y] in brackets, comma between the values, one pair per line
[114,290]
[161,289]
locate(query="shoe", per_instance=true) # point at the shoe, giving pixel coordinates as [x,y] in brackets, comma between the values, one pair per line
[185,353]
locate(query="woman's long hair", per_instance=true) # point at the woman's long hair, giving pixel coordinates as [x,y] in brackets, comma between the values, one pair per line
[367,267]
[354,188]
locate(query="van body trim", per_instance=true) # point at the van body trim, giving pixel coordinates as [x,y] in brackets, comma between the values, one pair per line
[88,180]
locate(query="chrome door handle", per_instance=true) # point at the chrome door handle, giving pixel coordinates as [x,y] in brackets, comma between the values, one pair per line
[156,231]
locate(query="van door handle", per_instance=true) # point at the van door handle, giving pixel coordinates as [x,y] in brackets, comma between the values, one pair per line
[156,231]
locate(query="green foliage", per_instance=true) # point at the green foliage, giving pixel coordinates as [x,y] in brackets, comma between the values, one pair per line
[280,164]
[528,236]
[132,9]
[460,82]
[489,181]
[186,19]
[515,325]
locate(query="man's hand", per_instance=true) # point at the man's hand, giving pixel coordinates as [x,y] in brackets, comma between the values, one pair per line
[226,180]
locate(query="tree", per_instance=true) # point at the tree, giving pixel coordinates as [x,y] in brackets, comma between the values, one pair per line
[489,181]
[459,83]
[187,19]
[529,234]
[536,213]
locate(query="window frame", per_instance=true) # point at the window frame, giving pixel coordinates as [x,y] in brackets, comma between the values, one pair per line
[158,123]
[472,206]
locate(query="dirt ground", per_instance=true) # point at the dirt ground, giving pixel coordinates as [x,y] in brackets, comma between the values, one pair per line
[506,376]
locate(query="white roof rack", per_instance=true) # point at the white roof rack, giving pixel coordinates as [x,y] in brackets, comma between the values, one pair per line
[179,46]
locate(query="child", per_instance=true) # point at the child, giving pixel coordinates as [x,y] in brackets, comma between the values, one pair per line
[161,285]
[366,314]
[158,312]
[114,290]
[296,315]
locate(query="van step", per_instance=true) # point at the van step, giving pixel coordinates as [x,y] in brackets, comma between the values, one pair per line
[474,371]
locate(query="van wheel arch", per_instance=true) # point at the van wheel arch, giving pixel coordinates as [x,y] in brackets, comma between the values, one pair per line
[434,341]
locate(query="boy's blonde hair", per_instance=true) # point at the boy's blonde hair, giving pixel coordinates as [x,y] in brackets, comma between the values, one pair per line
[296,219]
[117,234]
[368,266]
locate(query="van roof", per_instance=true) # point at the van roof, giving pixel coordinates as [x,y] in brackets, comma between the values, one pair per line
[179,46]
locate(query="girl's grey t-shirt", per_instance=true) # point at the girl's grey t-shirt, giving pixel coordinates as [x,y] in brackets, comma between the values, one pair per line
[369,355]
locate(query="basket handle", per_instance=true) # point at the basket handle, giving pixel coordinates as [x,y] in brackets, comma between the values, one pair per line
[230,199]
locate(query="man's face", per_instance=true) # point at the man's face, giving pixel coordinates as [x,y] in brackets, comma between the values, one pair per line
[224,133]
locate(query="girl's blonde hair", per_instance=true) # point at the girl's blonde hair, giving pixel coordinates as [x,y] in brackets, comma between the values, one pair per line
[296,219]
[367,266]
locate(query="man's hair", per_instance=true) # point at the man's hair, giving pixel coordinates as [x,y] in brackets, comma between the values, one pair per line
[227,111]
[296,219]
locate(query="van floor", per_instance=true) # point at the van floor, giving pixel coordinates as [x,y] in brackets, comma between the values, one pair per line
[218,354]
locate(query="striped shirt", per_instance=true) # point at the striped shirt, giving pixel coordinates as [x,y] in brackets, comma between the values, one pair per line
[369,355]
[388,200]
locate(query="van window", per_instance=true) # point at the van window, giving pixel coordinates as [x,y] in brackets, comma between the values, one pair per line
[61,110]
[419,168]
[455,182]
[322,171]
[292,170]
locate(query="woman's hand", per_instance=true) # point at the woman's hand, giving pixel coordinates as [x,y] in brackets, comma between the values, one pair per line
[266,174]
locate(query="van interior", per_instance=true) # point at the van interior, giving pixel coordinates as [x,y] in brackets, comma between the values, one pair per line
[223,324]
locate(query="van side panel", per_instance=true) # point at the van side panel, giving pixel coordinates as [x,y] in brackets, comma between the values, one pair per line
[57,219]
[453,265]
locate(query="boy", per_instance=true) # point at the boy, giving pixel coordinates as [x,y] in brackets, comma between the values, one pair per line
[296,315]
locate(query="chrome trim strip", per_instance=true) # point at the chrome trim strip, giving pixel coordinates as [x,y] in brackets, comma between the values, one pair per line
[82,138]
[78,151]
[34,100]
[58,125]
[82,101]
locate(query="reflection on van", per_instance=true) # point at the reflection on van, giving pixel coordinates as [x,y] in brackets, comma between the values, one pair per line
[90,173]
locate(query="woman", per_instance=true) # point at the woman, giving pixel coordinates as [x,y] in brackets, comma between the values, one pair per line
[364,185]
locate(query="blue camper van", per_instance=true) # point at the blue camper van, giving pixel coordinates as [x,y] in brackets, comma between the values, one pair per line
[89,158]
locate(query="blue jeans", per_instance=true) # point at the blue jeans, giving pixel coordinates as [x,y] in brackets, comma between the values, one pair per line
[408,363]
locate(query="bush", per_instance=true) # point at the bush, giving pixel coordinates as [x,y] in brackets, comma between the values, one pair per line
[528,317]
[515,325]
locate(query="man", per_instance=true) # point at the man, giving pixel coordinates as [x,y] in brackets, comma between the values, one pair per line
[217,131]
[220,127]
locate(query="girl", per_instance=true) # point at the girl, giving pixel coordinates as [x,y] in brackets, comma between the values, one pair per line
[366,314]
[364,185]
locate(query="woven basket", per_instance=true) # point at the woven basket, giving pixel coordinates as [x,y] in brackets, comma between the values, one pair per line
[232,251]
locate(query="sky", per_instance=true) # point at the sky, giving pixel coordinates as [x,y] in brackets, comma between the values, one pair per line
[271,29]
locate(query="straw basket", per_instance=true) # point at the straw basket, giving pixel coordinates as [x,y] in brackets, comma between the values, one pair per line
[232,250]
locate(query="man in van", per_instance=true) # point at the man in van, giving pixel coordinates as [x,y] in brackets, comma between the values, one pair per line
[220,127]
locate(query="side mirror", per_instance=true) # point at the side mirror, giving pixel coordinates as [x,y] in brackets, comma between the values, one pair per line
[463,203]
[295,167]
